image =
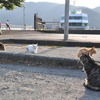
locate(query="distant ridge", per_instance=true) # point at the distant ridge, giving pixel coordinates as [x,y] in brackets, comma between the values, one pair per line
[48,12]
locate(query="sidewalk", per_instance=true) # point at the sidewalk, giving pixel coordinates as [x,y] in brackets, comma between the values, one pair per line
[34,35]
[63,55]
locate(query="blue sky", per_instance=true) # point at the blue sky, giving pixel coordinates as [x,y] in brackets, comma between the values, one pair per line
[86,3]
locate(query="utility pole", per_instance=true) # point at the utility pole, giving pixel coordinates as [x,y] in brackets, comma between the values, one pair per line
[24,25]
[66,24]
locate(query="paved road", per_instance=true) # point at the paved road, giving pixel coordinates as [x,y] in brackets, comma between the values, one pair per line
[39,83]
[47,36]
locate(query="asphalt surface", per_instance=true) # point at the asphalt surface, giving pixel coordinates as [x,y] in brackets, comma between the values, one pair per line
[29,35]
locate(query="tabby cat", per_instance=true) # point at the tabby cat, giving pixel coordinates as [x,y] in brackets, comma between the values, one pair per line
[92,70]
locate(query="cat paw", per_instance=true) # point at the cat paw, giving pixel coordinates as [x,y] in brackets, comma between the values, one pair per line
[85,83]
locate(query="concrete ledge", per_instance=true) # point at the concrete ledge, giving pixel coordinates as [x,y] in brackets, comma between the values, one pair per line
[52,42]
[32,60]
[92,32]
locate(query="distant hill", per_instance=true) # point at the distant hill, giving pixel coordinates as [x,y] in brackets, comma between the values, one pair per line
[48,12]
[97,9]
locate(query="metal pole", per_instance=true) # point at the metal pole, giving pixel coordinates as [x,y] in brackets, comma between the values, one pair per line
[66,25]
[24,17]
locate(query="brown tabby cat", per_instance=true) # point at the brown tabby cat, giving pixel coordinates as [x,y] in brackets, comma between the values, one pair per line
[87,51]
[2,47]
[92,70]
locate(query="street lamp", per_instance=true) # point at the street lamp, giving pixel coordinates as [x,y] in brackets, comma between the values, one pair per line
[66,25]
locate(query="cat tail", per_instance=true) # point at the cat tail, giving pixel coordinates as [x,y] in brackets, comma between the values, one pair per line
[87,85]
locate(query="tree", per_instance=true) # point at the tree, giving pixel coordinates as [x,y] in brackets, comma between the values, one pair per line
[11,4]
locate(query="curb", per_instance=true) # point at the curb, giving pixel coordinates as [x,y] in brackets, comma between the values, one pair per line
[51,42]
[61,31]
[33,60]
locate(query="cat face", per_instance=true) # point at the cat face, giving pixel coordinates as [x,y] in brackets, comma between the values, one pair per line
[35,44]
[92,51]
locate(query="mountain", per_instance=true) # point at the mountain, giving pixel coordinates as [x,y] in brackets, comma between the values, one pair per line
[97,9]
[47,11]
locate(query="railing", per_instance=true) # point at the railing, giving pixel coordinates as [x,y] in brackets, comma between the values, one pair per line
[17,27]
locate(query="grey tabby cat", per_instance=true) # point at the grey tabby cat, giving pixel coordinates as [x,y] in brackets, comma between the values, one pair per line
[92,70]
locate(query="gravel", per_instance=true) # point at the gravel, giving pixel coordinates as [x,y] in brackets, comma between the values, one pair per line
[19,82]
[40,83]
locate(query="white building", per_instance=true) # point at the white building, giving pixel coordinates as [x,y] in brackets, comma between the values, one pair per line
[77,20]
